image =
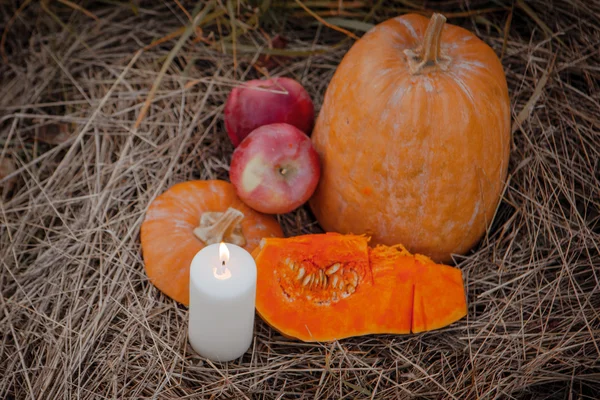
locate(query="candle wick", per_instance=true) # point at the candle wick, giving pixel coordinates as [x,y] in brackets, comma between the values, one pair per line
[222,269]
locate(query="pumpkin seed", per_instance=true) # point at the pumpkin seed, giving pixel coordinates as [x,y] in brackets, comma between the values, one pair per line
[322,278]
[333,269]
[290,264]
[307,280]
[317,279]
[334,297]
[335,281]
[300,273]
[354,278]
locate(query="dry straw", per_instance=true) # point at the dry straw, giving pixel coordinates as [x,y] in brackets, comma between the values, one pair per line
[78,317]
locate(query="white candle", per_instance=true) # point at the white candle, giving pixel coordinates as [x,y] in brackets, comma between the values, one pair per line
[222,301]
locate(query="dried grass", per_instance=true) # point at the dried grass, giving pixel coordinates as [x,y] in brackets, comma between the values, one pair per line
[78,316]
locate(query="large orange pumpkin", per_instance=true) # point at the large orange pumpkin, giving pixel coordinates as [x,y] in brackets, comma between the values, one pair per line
[189,216]
[414,138]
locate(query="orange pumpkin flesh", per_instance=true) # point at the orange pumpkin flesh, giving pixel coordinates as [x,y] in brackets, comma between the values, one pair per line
[415,128]
[324,287]
[172,227]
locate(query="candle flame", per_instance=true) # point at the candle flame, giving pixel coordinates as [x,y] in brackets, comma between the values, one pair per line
[223,253]
[222,272]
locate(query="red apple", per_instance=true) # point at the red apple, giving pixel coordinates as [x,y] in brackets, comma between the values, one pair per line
[263,102]
[275,169]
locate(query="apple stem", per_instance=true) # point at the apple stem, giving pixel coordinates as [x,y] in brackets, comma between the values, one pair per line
[282,171]
[216,227]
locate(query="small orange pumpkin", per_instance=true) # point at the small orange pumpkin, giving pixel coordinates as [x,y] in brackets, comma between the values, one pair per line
[322,287]
[186,218]
[414,128]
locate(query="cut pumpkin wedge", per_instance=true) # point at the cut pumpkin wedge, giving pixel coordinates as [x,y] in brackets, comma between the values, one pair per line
[324,287]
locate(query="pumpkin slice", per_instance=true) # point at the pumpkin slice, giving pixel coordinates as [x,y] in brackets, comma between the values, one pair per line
[330,286]
[437,293]
[439,297]
[186,218]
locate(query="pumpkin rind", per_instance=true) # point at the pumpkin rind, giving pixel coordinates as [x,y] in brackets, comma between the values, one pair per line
[380,287]
[426,154]
[167,238]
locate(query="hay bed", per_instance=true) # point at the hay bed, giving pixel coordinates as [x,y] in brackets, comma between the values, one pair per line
[78,317]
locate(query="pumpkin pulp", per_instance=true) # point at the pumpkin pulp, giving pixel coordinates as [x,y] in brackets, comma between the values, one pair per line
[331,286]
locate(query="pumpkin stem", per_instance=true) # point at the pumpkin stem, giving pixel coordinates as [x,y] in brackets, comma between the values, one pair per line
[429,54]
[216,227]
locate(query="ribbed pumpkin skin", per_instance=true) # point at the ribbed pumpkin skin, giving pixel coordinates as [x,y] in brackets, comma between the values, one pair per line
[414,159]
[166,234]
